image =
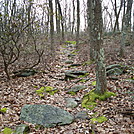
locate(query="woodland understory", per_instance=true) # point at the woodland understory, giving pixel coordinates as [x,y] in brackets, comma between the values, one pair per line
[119,109]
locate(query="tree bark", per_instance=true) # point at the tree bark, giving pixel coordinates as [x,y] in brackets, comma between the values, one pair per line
[78,23]
[73,17]
[51,27]
[90,28]
[97,38]
[128,15]
[117,14]
[61,18]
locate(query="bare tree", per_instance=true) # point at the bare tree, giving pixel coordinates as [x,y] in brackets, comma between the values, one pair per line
[126,26]
[97,38]
[57,18]
[73,22]
[128,15]
[117,13]
[61,18]
[78,23]
[51,27]
[90,22]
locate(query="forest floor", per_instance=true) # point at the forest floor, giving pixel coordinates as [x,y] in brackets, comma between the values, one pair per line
[118,109]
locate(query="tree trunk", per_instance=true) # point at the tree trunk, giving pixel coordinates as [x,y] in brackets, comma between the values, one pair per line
[61,18]
[57,18]
[128,15]
[78,23]
[90,28]
[73,17]
[51,27]
[96,37]
[116,26]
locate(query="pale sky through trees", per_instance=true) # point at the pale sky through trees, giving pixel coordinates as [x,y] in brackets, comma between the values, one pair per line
[105,3]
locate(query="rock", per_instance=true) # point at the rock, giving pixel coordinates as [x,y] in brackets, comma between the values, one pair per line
[24,73]
[83,80]
[22,129]
[76,89]
[114,71]
[113,66]
[72,74]
[69,62]
[71,55]
[75,72]
[45,115]
[71,102]
[75,65]
[82,115]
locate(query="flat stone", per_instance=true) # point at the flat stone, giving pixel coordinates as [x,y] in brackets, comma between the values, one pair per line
[114,71]
[82,115]
[72,74]
[75,72]
[22,129]
[69,62]
[76,88]
[24,73]
[45,115]
[75,65]
[71,102]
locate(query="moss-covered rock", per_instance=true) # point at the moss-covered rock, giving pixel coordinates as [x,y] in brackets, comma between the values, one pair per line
[89,100]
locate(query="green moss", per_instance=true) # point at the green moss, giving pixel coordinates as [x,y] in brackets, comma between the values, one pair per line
[3,110]
[41,90]
[83,80]
[106,95]
[89,100]
[47,89]
[100,119]
[72,93]
[81,76]
[7,130]
[88,63]
[64,46]
[51,90]
[93,83]
[71,42]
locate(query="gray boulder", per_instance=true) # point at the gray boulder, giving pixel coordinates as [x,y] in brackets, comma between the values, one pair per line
[76,89]
[45,115]
[71,102]
[82,115]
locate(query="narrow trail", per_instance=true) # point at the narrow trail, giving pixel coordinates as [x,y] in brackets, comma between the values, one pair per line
[68,73]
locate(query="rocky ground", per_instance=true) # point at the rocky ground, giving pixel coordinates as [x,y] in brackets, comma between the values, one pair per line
[119,109]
